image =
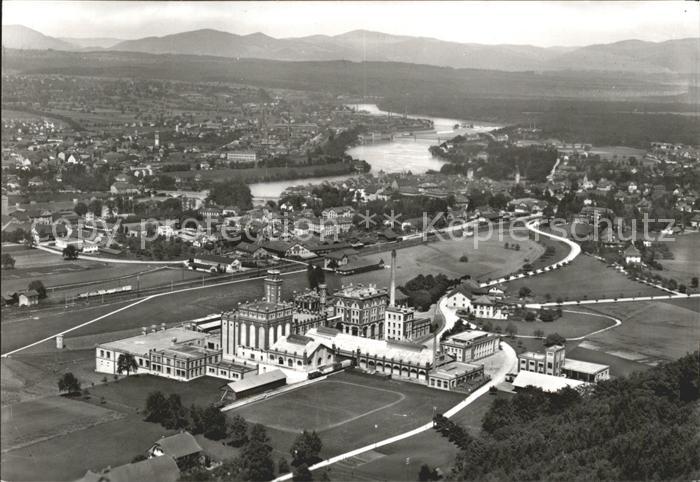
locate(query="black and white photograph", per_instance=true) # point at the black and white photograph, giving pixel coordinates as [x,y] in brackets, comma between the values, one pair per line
[401,241]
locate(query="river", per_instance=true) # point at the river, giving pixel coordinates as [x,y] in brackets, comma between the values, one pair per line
[404,153]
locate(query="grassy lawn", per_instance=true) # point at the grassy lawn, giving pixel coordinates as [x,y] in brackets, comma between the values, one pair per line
[390,413]
[389,462]
[27,423]
[487,259]
[282,412]
[573,323]
[164,309]
[686,262]
[651,331]
[131,392]
[68,457]
[584,277]
[619,367]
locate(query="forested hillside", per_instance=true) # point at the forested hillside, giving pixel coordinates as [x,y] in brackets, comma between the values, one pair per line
[644,427]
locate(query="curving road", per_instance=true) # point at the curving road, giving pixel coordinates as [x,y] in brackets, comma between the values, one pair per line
[532,226]
[499,377]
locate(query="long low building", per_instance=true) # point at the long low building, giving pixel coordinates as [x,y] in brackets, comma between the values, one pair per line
[179,353]
[255,384]
[398,359]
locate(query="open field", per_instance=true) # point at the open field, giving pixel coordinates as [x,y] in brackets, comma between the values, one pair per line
[572,324]
[389,462]
[282,412]
[651,331]
[585,277]
[35,258]
[68,457]
[686,259]
[168,308]
[103,435]
[487,259]
[619,367]
[35,375]
[132,391]
[30,422]
[394,408]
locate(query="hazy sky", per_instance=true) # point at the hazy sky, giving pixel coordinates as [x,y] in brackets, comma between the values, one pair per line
[537,23]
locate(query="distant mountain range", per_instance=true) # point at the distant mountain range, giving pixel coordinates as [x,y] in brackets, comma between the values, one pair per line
[673,56]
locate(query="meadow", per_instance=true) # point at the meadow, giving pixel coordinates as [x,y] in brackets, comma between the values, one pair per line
[584,278]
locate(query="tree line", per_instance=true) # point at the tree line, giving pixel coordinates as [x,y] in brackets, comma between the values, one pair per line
[640,427]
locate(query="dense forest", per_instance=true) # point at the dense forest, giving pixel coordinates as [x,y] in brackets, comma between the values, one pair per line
[642,427]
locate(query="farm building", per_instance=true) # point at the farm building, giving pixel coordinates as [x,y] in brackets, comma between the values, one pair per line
[180,447]
[157,469]
[29,298]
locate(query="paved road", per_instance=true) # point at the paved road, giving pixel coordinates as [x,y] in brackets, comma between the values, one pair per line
[617,322]
[537,306]
[499,377]
[532,226]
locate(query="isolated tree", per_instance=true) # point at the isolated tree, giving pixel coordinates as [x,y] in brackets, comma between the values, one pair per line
[694,282]
[70,252]
[306,448]
[80,209]
[156,407]
[530,316]
[69,383]
[8,262]
[511,329]
[524,292]
[38,286]
[554,339]
[539,333]
[126,363]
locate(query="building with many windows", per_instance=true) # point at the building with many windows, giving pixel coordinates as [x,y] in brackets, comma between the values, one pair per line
[360,310]
[468,346]
[257,324]
[180,353]
[401,324]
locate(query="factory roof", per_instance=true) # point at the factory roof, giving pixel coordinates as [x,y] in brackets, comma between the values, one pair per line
[159,340]
[548,383]
[408,352]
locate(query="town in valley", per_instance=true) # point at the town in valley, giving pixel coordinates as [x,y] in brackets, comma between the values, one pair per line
[349,255]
